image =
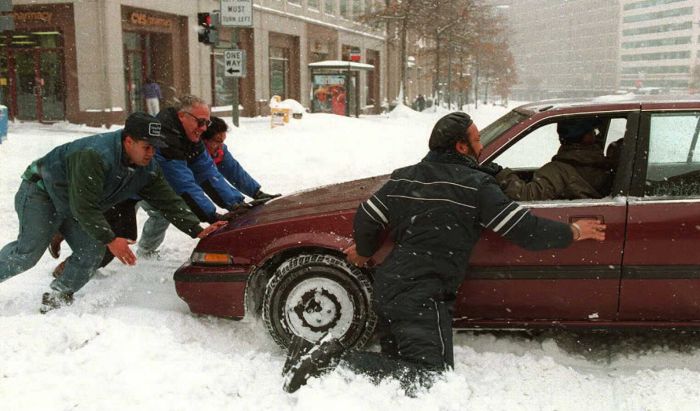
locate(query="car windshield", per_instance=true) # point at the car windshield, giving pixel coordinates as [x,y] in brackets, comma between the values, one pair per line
[500,126]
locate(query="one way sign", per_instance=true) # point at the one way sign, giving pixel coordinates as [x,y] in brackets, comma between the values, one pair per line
[234,63]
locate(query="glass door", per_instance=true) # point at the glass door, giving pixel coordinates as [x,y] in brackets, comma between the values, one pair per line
[279,72]
[26,85]
[51,91]
[36,79]
[135,69]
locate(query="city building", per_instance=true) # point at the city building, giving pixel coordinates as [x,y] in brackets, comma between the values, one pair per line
[660,45]
[562,48]
[86,61]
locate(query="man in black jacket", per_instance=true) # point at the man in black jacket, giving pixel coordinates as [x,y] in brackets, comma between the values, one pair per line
[435,211]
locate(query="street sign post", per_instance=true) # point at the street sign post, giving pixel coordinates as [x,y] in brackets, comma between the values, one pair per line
[234,63]
[237,13]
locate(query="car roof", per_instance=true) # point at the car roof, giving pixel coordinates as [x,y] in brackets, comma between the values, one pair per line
[609,102]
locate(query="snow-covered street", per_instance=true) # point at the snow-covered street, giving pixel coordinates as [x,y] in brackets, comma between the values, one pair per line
[128,341]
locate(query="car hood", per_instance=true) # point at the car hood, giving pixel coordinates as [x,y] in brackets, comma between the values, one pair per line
[319,200]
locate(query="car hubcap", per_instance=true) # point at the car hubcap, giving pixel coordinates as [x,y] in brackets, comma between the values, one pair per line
[317,306]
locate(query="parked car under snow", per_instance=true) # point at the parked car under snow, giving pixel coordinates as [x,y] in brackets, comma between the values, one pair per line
[284,259]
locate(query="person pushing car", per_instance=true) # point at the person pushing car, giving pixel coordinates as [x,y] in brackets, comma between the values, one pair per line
[435,211]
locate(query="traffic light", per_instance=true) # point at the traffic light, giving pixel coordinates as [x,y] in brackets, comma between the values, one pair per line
[207,32]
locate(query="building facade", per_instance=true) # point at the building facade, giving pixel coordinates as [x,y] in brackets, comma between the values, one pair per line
[562,48]
[86,61]
[660,44]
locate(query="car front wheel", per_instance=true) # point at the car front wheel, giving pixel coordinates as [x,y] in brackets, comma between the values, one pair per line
[312,295]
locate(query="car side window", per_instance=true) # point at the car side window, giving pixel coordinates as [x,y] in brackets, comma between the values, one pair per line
[537,148]
[673,168]
[532,151]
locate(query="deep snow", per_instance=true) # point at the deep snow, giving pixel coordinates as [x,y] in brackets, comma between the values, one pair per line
[128,342]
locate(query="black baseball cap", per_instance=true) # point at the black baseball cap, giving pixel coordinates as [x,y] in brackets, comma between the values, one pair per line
[142,126]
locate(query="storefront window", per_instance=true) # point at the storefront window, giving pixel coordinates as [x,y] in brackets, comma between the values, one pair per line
[369,7]
[4,90]
[329,6]
[279,62]
[356,9]
[134,70]
[31,75]
[344,9]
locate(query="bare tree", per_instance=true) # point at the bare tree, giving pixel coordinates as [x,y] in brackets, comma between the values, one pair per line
[464,32]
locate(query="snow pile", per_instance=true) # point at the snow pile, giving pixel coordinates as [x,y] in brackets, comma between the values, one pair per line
[128,342]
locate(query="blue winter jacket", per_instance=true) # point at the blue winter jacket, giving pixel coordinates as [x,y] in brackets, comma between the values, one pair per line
[191,172]
[234,172]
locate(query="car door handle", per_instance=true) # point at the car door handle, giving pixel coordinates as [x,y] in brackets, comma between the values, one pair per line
[575,218]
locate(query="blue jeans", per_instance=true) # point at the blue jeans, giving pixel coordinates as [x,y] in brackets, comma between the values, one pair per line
[38,222]
[153,229]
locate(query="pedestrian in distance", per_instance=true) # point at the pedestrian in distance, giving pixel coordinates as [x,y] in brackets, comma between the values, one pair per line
[69,189]
[435,211]
[420,102]
[151,92]
[190,171]
[228,166]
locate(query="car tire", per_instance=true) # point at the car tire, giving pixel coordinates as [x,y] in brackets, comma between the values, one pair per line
[311,295]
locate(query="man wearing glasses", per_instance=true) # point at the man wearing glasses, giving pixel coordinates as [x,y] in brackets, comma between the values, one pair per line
[189,170]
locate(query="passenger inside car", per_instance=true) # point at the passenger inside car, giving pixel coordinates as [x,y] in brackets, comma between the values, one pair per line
[578,170]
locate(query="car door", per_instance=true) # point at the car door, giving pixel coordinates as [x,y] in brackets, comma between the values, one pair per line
[661,266]
[576,284]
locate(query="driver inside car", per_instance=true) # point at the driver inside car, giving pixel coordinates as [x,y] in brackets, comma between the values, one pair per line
[578,170]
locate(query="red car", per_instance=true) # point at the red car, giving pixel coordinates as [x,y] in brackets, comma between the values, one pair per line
[284,259]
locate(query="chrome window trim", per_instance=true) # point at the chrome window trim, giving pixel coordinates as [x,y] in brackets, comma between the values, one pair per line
[662,200]
[578,203]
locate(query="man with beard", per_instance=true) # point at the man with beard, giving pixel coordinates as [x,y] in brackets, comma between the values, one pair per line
[434,211]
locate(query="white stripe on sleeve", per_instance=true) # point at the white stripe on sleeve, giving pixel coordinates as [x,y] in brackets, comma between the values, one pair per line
[507,218]
[376,210]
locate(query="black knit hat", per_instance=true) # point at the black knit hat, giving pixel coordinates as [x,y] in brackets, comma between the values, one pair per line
[449,130]
[572,131]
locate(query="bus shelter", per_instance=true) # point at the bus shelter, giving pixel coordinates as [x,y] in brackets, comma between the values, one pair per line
[335,87]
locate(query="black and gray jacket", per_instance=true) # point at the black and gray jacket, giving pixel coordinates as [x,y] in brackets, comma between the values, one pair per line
[435,211]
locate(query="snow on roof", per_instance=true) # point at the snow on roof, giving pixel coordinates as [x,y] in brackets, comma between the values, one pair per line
[342,64]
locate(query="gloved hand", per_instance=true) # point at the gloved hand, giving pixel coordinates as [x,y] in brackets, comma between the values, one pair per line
[235,211]
[491,168]
[261,195]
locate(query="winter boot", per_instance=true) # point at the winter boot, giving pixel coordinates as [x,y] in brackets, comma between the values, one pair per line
[321,358]
[55,246]
[153,255]
[298,347]
[53,300]
[58,271]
